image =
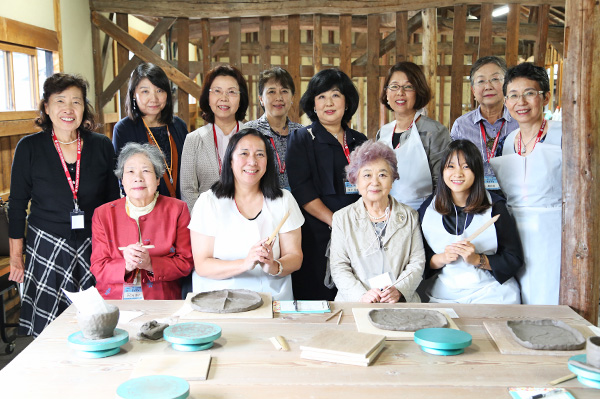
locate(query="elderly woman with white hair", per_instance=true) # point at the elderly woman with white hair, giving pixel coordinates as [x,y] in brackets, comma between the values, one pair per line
[377,250]
[140,243]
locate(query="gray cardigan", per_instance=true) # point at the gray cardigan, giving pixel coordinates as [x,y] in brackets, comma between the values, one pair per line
[352,233]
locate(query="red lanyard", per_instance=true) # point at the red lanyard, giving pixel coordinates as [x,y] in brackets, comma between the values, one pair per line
[75,188]
[537,139]
[409,127]
[346,149]
[281,166]
[492,152]
[217,145]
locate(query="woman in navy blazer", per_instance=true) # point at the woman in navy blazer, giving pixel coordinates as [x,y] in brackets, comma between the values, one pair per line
[316,159]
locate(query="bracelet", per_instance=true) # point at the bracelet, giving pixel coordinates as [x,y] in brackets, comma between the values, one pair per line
[481,264]
[279,271]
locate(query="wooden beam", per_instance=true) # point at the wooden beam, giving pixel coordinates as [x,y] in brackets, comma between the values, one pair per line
[235,42]
[485,30]
[318,43]
[119,80]
[98,78]
[294,63]
[264,39]
[401,36]
[512,34]
[17,127]
[539,51]
[458,62]
[183,64]
[58,27]
[580,272]
[206,57]
[106,46]
[373,104]
[23,34]
[346,44]
[430,53]
[122,60]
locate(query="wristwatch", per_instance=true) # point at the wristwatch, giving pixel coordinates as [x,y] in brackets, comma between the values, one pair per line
[278,271]
[481,264]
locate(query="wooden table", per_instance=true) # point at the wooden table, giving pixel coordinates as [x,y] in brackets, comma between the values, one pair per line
[246,365]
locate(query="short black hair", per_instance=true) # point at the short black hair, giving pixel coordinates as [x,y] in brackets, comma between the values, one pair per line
[326,80]
[158,78]
[416,77]
[58,83]
[224,70]
[269,183]
[488,59]
[279,75]
[529,71]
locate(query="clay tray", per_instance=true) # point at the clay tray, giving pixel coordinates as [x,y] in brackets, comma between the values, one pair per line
[226,301]
[508,346]
[548,328]
[265,311]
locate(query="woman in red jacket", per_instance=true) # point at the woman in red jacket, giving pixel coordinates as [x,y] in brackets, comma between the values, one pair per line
[141,243]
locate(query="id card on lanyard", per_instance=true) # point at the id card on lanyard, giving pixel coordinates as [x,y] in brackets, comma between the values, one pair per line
[490,182]
[77,215]
[348,187]
[133,291]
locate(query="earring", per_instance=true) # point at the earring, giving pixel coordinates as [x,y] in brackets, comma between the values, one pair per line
[314,109]
[134,106]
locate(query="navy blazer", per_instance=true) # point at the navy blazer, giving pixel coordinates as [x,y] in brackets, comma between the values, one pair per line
[127,130]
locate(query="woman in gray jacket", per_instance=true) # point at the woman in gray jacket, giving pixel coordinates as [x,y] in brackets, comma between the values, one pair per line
[377,250]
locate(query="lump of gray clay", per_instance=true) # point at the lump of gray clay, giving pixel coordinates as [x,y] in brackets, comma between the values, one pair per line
[153,330]
[99,325]
[226,301]
[407,319]
[545,334]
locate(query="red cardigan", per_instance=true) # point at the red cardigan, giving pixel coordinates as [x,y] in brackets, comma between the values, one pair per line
[165,228]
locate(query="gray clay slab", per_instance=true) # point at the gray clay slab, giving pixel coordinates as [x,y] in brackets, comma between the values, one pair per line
[407,319]
[545,334]
[226,301]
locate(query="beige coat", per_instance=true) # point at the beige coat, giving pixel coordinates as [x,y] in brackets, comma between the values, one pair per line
[352,234]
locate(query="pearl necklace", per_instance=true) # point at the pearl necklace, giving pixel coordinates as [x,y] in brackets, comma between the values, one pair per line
[70,142]
[386,213]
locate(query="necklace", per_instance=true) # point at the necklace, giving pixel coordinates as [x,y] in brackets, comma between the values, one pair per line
[456,223]
[385,213]
[525,144]
[65,143]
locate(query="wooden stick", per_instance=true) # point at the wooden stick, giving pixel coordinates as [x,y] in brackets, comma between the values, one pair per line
[482,228]
[563,379]
[272,236]
[143,246]
[283,343]
[396,282]
[333,315]
[340,317]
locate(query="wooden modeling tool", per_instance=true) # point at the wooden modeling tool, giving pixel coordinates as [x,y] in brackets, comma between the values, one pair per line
[563,379]
[340,317]
[482,228]
[280,343]
[396,282]
[272,236]
[143,246]
[333,315]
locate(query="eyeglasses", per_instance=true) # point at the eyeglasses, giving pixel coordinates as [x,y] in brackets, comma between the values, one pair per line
[493,81]
[229,92]
[527,96]
[405,88]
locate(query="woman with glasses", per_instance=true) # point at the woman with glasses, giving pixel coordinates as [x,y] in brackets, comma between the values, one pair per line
[488,125]
[276,88]
[530,174]
[223,101]
[419,142]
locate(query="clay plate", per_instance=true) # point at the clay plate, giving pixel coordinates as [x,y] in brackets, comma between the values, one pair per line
[226,301]
[407,319]
[545,334]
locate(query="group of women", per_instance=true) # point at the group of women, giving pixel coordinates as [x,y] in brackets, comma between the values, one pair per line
[351,230]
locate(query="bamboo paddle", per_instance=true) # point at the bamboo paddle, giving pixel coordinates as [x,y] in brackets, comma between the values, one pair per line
[482,228]
[272,236]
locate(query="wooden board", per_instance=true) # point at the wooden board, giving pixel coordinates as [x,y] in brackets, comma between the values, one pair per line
[348,344]
[195,368]
[361,317]
[264,312]
[508,346]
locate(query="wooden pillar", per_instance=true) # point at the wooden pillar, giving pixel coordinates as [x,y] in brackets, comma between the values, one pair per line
[401,36]
[539,51]
[512,34]
[346,44]
[317,43]
[458,62]
[264,38]
[58,27]
[430,40]
[205,26]
[122,59]
[294,63]
[373,103]
[235,42]
[580,273]
[183,64]
[485,30]
[98,78]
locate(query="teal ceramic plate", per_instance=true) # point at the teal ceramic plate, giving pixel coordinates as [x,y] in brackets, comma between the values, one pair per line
[99,354]
[192,347]
[587,377]
[192,333]
[443,341]
[79,342]
[154,387]
[588,382]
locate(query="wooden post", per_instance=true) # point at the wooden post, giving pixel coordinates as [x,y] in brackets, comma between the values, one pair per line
[430,40]
[580,273]
[485,30]
[58,27]
[512,34]
[235,42]
[183,64]
[205,26]
[98,78]
[294,63]
[264,38]
[373,38]
[346,44]
[317,44]
[122,58]
[458,62]
[539,51]
[401,36]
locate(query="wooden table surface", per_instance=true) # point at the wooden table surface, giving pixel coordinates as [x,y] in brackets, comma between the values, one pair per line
[246,365]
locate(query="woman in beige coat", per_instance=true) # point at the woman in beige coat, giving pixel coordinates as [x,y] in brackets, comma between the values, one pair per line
[377,250]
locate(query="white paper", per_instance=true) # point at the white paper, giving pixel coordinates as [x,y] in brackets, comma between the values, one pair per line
[125,316]
[382,281]
[87,302]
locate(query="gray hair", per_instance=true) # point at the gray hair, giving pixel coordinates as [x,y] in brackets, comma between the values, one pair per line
[154,154]
[371,151]
[490,59]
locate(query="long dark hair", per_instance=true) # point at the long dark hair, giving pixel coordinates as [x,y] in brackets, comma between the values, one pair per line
[269,183]
[158,78]
[477,201]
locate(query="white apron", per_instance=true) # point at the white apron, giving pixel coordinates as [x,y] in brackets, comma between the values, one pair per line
[533,188]
[459,281]
[415,183]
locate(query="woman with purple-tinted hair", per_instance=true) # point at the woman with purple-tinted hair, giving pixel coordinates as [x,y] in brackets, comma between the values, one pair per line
[377,250]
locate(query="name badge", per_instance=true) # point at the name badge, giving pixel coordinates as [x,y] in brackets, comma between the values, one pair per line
[381,281]
[350,188]
[133,292]
[491,183]
[77,219]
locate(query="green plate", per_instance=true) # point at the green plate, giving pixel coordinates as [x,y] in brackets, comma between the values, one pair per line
[192,333]
[443,341]
[192,347]
[99,354]
[79,342]
[587,377]
[154,387]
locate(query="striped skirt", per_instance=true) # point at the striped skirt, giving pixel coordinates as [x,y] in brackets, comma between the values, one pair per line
[51,263]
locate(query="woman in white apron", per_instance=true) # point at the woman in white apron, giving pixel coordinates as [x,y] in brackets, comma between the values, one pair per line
[480,270]
[530,174]
[419,142]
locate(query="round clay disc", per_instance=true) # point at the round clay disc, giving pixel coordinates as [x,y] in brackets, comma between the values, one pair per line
[192,333]
[545,334]
[446,339]
[79,342]
[154,387]
[226,301]
[407,319]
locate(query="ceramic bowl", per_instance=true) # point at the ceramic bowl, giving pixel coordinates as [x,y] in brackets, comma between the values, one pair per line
[99,325]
